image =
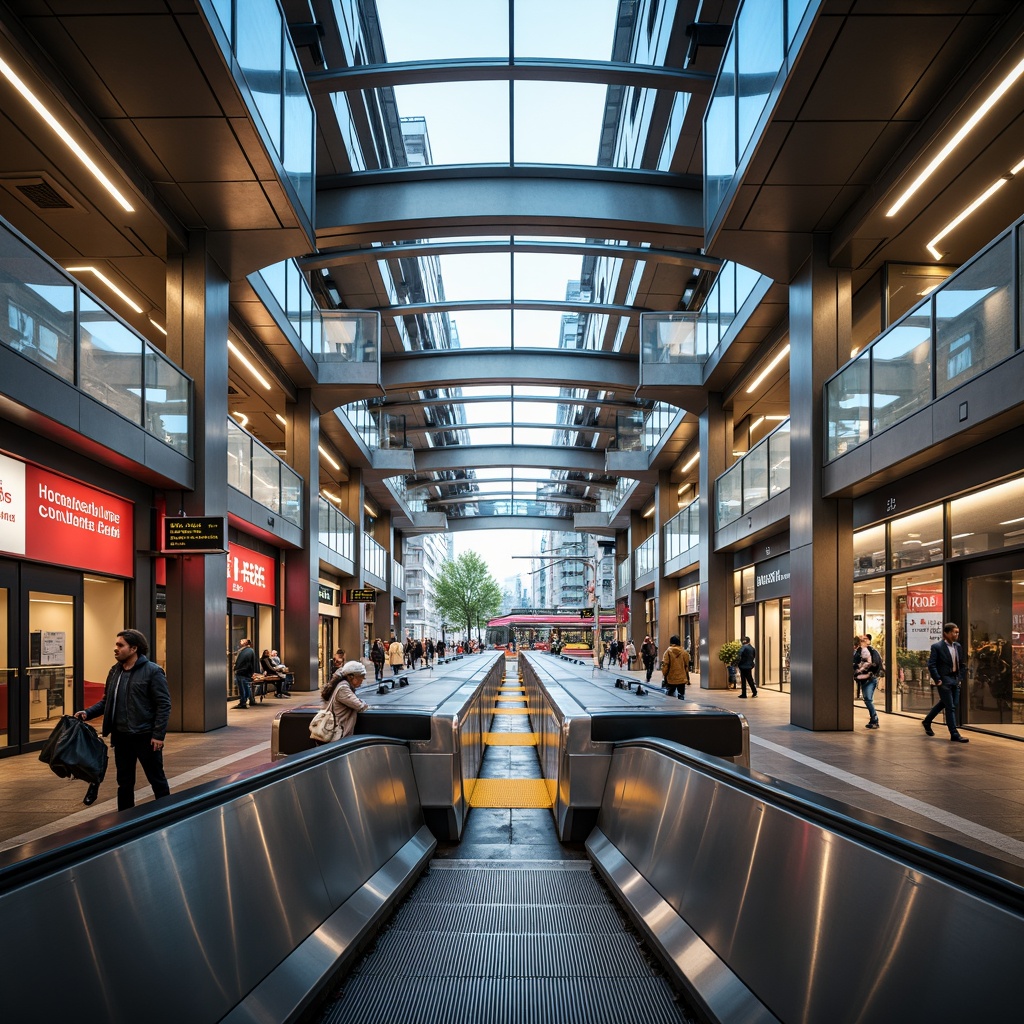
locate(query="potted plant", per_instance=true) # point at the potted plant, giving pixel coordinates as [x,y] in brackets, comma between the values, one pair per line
[729,653]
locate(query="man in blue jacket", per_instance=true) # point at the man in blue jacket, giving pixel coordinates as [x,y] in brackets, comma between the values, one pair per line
[135,706]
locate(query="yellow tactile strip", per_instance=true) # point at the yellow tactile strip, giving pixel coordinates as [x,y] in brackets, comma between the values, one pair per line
[515,700]
[510,739]
[512,711]
[510,793]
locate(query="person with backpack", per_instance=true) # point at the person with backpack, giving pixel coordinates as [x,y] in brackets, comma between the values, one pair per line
[866,668]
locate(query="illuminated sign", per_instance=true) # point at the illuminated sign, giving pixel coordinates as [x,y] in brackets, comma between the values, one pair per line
[193,535]
[365,596]
[325,594]
[251,576]
[47,517]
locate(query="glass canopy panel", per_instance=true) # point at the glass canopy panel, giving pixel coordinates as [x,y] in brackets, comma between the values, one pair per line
[544,276]
[532,435]
[488,412]
[558,122]
[484,328]
[533,328]
[471,276]
[567,30]
[449,109]
[412,29]
[537,412]
[488,435]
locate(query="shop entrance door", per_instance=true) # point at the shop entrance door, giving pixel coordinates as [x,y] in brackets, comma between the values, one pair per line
[50,650]
[993,601]
[10,701]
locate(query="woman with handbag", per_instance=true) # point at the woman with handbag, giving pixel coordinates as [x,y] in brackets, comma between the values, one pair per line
[337,715]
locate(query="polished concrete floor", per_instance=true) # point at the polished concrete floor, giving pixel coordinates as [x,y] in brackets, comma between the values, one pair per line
[971,794]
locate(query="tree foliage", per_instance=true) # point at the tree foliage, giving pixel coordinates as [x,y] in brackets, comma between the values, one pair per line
[466,593]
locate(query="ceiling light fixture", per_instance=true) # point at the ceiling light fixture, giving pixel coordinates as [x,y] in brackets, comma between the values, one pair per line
[695,457]
[756,423]
[245,361]
[110,284]
[965,213]
[1010,522]
[649,513]
[162,330]
[967,127]
[281,418]
[320,448]
[242,419]
[768,369]
[62,133]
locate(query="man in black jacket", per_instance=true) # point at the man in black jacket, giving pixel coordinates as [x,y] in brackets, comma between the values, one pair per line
[135,706]
[245,669]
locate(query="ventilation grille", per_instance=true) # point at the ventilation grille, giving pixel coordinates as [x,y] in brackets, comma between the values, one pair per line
[45,196]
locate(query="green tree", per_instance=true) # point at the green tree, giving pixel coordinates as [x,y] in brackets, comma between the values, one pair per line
[466,592]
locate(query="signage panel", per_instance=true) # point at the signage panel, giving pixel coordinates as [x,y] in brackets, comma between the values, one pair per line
[184,535]
[771,578]
[325,594]
[47,517]
[251,576]
[365,596]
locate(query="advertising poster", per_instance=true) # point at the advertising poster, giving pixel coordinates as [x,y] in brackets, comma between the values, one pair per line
[251,576]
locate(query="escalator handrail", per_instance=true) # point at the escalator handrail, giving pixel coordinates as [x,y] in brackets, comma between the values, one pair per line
[987,877]
[37,859]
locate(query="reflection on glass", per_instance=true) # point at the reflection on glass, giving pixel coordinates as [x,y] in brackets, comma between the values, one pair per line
[755,477]
[168,402]
[849,406]
[37,306]
[868,551]
[988,520]
[258,47]
[995,649]
[974,318]
[111,360]
[729,495]
[901,364]
[778,459]
[760,50]
[917,539]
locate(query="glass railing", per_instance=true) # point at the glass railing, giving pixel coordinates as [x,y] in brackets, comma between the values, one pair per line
[759,46]
[362,418]
[693,337]
[49,318]
[609,501]
[682,532]
[256,471]
[960,330]
[623,579]
[646,556]
[337,531]
[375,559]
[331,335]
[397,574]
[756,478]
[258,37]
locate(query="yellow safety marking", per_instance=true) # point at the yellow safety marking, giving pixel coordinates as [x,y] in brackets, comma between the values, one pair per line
[510,739]
[511,689]
[512,711]
[513,700]
[510,793]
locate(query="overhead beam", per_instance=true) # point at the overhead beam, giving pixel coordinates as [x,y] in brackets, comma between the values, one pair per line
[462,524]
[345,257]
[544,305]
[606,206]
[581,460]
[597,72]
[419,371]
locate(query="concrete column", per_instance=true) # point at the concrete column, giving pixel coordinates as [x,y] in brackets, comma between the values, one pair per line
[302,568]
[716,607]
[665,590]
[197,339]
[820,530]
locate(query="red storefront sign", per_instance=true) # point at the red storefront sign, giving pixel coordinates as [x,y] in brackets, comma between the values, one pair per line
[251,576]
[47,517]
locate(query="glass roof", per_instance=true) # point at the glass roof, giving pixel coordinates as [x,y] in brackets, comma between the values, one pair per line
[510,122]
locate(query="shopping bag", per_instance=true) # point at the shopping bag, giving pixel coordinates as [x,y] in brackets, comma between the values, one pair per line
[75,750]
[323,726]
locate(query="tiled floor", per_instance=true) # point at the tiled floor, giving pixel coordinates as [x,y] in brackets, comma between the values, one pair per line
[971,794]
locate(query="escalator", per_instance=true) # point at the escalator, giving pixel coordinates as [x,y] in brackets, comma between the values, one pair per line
[509,925]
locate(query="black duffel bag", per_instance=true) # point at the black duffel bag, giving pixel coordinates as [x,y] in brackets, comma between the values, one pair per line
[75,750]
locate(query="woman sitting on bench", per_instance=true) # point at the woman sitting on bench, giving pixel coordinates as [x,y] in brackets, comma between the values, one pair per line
[275,671]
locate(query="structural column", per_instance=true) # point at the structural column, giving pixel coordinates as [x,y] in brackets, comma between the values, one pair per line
[302,568]
[821,538]
[197,340]
[716,607]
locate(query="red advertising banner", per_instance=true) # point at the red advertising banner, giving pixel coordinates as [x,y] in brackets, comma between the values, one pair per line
[47,517]
[251,576]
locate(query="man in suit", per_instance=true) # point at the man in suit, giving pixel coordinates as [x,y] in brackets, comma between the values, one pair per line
[745,663]
[948,670]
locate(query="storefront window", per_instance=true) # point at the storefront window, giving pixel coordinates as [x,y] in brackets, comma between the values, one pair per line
[869,551]
[747,583]
[995,649]
[916,618]
[51,673]
[989,520]
[917,539]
